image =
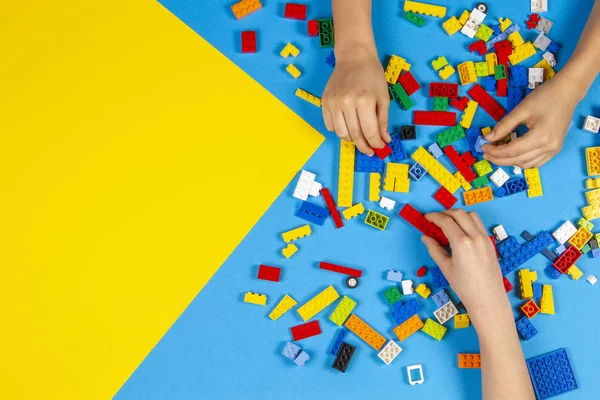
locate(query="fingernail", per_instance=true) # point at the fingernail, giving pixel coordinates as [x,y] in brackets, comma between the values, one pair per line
[388,138]
[490,136]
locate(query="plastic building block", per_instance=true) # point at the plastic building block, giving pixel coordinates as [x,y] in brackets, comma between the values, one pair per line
[480,182]
[436,170]
[463,182]
[286,304]
[248,41]
[401,97]
[499,232]
[586,249]
[574,272]
[564,232]
[398,153]
[469,29]
[446,72]
[592,159]
[478,196]
[342,311]
[417,171]
[255,298]
[301,359]
[491,60]
[354,211]
[383,152]
[567,259]
[408,132]
[408,327]
[547,300]
[445,198]
[513,186]
[293,71]
[451,26]
[445,312]
[440,104]
[530,309]
[425,9]
[339,339]
[592,183]
[539,6]
[402,312]
[340,269]
[409,83]
[486,102]
[315,189]
[592,124]
[416,219]
[466,72]
[469,360]
[304,185]
[365,163]
[418,378]
[394,67]
[393,275]
[591,212]
[459,104]
[481,69]
[532,21]
[503,36]
[542,42]
[268,273]
[439,280]
[499,72]
[522,53]
[434,329]
[515,39]
[374,185]
[464,17]
[519,76]
[592,280]
[535,77]
[312,99]
[449,90]
[507,285]
[295,11]
[365,332]
[330,60]
[585,223]
[434,118]
[335,214]
[351,282]
[515,97]
[502,87]
[312,213]
[289,50]
[560,249]
[450,135]
[580,238]
[490,84]
[245,7]
[423,290]
[526,252]
[479,47]
[553,48]
[504,23]
[551,374]
[290,350]
[552,272]
[318,303]
[507,247]
[313,28]
[461,321]
[549,72]
[392,295]
[326,36]
[389,352]
[484,33]
[396,178]
[421,271]
[499,177]
[526,328]
[483,167]
[344,356]
[414,18]
[544,25]
[289,250]
[440,298]
[467,117]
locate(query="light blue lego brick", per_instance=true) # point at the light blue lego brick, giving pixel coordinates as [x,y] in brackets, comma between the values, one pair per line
[560,249]
[395,276]
[480,142]
[551,374]
[440,298]
[291,350]
[302,358]
[435,150]
[595,253]
[503,36]
[417,171]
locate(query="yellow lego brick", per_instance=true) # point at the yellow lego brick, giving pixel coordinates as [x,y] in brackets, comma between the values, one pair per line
[591,212]
[289,250]
[593,183]
[245,7]
[365,332]
[592,160]
[522,53]
[486,130]
[452,25]
[289,50]
[597,237]
[408,327]
[478,196]
[593,197]
[483,167]
[434,329]
[374,185]
[547,302]
[425,9]
[581,237]
[255,298]
[436,170]
[394,67]
[446,72]
[467,118]
[282,307]
[549,72]
[463,182]
[318,303]
[296,234]
[342,311]
[423,290]
[515,39]
[396,178]
[466,72]
[504,23]
[439,63]
[464,17]
[532,175]
[526,278]
[293,71]
[311,98]
[353,211]
[461,321]
[492,60]
[585,223]
[574,272]
[346,174]
[481,69]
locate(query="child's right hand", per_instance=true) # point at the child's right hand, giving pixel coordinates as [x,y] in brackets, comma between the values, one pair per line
[356,101]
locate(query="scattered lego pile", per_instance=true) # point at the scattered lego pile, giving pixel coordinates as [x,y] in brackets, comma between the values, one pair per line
[504,49]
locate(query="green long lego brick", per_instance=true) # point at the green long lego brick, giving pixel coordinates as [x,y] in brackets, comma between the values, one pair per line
[450,136]
[402,97]
[414,18]
[326,37]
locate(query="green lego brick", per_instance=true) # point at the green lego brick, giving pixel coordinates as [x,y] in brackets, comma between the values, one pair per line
[482,69]
[586,249]
[376,220]
[484,33]
[483,167]
[499,72]
[440,104]
[450,135]
[326,32]
[392,295]
[342,311]
[402,97]
[414,18]
[480,182]
[434,329]
[439,63]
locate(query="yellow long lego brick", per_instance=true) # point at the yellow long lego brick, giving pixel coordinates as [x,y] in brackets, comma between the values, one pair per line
[354,211]
[293,71]
[311,98]
[574,272]
[549,72]
[466,72]
[282,307]
[318,303]
[591,212]
[346,173]
[296,234]
[394,67]
[255,298]
[424,8]
[245,7]
[374,185]
[467,117]
[289,250]
[436,170]
[592,160]
[343,309]
[593,197]
[492,60]
[289,50]
[365,332]
[463,182]
[547,302]
[527,277]
[532,176]
[522,53]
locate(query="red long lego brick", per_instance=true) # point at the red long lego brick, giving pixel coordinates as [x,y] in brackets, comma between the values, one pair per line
[383,152]
[340,269]
[502,87]
[468,158]
[249,42]
[439,89]
[295,11]
[435,118]
[445,198]
[503,49]
[460,103]
[313,28]
[479,47]
[418,220]
[306,330]
[332,207]
[507,285]
[487,102]
[567,259]
[267,273]
[409,83]
[421,271]
[459,163]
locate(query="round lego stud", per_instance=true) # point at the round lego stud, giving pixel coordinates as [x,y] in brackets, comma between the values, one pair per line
[351,282]
[482,7]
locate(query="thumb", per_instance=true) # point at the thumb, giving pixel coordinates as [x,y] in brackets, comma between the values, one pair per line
[439,255]
[507,124]
[383,107]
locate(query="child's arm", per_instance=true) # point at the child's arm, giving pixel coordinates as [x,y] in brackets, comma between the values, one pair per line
[474,274]
[547,111]
[356,100]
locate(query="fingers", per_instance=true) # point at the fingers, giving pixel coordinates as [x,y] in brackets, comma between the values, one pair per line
[339,124]
[328,119]
[508,124]
[353,124]
[464,221]
[517,152]
[383,108]
[537,162]
[367,114]
[477,222]
[439,255]
[451,229]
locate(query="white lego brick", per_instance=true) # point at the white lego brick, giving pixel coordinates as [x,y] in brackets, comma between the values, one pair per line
[477,16]
[549,57]
[419,378]
[304,185]
[389,352]
[386,203]
[536,75]
[517,170]
[544,25]
[315,189]
[445,312]
[499,177]
[469,29]
[513,135]
[538,6]
[393,275]
[407,287]
[592,124]
[592,279]
[564,232]
[542,42]
[499,233]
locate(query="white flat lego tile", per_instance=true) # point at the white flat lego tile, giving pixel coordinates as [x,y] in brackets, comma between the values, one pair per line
[387,203]
[304,185]
[315,189]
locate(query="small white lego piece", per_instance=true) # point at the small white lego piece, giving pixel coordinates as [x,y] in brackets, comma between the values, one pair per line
[304,185]
[592,279]
[477,16]
[517,170]
[513,135]
[386,203]
[389,352]
[499,233]
[315,189]
[542,42]
[445,312]
[549,57]
[536,75]
[538,6]
[407,287]
[419,378]
[592,124]
[393,275]
[564,232]
[469,29]
[499,177]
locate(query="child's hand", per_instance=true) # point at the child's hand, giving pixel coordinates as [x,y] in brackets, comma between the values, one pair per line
[547,112]
[356,102]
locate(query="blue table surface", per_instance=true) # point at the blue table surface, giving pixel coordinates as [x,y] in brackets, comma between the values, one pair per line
[222,348]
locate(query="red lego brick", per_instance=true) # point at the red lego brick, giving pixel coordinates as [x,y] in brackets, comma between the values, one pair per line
[418,220]
[502,87]
[249,42]
[460,103]
[530,309]
[487,102]
[332,207]
[438,89]
[503,49]
[313,27]
[567,259]
[421,271]
[383,152]
[507,285]
[267,273]
[306,330]
[340,269]
[409,83]
[532,21]
[445,198]
[295,11]
[459,163]
[436,118]
[479,47]
[493,239]
[468,158]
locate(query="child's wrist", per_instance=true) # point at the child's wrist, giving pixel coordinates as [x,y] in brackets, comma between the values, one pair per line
[355,52]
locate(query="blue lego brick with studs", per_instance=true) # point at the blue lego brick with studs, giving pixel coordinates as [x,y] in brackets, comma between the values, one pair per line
[365,163]
[515,97]
[302,358]
[339,339]
[439,280]
[398,153]
[291,350]
[403,312]
[312,213]
[508,246]
[330,60]
[526,252]
[552,272]
[417,171]
[513,186]
[489,84]
[551,374]
[537,290]
[526,328]
[553,47]
[472,135]
[546,252]
[440,298]
[519,76]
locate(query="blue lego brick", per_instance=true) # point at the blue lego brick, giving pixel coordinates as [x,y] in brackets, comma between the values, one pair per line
[439,280]
[515,186]
[395,276]
[537,290]
[291,350]
[338,341]
[519,76]
[364,163]
[402,312]
[417,171]
[496,29]
[526,252]
[302,358]
[398,153]
[435,150]
[312,213]
[489,84]
[330,60]
[526,328]
[546,252]
[480,142]
[503,36]
[560,249]
[515,97]
[551,374]
[595,253]
[553,47]
[440,298]
[552,272]
[508,246]
[472,135]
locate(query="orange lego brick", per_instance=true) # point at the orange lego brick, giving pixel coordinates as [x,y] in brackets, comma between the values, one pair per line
[365,332]
[580,238]
[245,7]
[469,360]
[478,196]
[408,327]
